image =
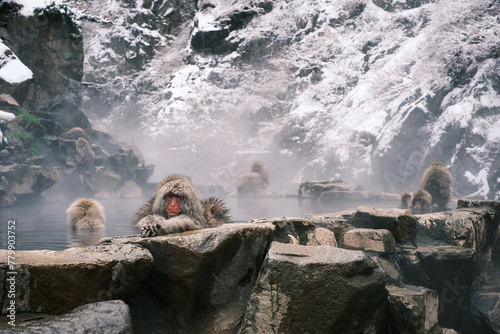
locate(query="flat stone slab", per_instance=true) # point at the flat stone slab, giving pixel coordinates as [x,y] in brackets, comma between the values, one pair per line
[56,282]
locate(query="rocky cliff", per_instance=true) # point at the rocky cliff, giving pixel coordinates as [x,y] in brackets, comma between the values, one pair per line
[369,91]
[51,140]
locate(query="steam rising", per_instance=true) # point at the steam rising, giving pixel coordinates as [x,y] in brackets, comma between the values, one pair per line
[392,86]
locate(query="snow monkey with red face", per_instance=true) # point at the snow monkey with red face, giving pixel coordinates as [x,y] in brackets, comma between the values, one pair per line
[175,207]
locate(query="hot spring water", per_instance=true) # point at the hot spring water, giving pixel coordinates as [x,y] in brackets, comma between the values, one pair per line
[43,226]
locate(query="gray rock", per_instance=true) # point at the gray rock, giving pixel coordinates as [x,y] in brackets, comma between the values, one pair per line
[399,222]
[413,309]
[321,236]
[303,289]
[300,231]
[201,279]
[25,180]
[387,266]
[448,270]
[103,317]
[314,189]
[485,308]
[56,282]
[379,240]
[463,227]
[334,195]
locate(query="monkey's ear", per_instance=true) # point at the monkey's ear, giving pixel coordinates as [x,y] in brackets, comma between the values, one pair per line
[211,211]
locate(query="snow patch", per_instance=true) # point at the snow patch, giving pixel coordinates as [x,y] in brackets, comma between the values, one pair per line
[480,180]
[12,69]
[29,6]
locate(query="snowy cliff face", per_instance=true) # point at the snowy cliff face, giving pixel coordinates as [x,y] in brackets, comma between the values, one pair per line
[368,91]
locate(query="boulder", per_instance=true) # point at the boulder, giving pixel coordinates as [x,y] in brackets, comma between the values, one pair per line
[200,280]
[123,162]
[314,189]
[485,309]
[462,203]
[337,195]
[56,282]
[103,180]
[102,317]
[448,270]
[400,223]
[7,198]
[26,179]
[412,309]
[468,227]
[379,240]
[321,289]
[300,231]
[387,266]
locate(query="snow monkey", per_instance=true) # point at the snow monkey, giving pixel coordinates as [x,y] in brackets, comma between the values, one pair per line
[175,207]
[215,212]
[421,202]
[405,200]
[255,182]
[85,213]
[84,153]
[436,180]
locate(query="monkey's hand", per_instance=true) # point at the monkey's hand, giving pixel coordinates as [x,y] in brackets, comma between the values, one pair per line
[150,225]
[149,231]
[154,225]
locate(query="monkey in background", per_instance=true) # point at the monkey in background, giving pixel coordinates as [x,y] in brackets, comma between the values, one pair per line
[215,212]
[255,182]
[405,200]
[86,213]
[418,202]
[175,207]
[421,202]
[436,180]
[84,153]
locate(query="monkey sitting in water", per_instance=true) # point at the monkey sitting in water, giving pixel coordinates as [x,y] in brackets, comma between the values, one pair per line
[421,202]
[418,202]
[86,213]
[255,182]
[436,180]
[405,200]
[175,207]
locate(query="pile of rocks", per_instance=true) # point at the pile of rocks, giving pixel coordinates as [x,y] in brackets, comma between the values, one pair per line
[369,270]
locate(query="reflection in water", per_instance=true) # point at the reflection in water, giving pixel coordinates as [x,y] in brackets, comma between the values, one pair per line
[45,227]
[85,237]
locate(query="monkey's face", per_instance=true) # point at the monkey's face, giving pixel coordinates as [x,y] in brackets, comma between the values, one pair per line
[173,204]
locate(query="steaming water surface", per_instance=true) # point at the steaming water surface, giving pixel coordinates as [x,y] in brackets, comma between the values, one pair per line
[43,226]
